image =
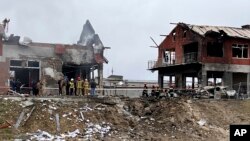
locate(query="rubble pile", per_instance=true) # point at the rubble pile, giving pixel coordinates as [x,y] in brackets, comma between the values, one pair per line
[116,118]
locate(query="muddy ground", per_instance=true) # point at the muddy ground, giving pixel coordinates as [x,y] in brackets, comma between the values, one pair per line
[120,118]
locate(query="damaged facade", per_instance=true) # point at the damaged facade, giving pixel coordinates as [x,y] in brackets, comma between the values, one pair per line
[29,61]
[196,56]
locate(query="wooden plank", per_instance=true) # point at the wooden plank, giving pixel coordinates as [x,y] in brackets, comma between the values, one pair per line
[19,119]
[25,120]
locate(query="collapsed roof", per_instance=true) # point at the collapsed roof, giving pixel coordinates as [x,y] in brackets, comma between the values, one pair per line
[234,32]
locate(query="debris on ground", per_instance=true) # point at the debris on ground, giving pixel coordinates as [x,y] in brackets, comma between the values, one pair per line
[119,118]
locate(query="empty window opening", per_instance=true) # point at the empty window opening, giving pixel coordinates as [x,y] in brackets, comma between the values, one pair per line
[214,49]
[33,64]
[174,35]
[170,81]
[214,78]
[16,63]
[191,82]
[190,52]
[184,33]
[25,72]
[240,51]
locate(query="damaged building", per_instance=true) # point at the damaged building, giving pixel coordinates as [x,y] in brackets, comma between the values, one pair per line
[198,55]
[29,61]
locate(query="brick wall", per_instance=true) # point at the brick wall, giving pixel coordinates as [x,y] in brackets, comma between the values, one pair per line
[177,44]
[4,76]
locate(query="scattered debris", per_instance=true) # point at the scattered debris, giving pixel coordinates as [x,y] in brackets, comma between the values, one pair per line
[26,103]
[6,124]
[128,119]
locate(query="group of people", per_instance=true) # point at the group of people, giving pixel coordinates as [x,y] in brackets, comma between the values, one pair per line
[155,91]
[76,87]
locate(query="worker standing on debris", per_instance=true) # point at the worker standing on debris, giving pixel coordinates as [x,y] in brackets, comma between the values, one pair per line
[145,90]
[18,86]
[60,83]
[34,88]
[66,81]
[157,91]
[71,86]
[79,86]
[92,86]
[75,87]
[86,87]
[13,84]
[153,91]
[39,86]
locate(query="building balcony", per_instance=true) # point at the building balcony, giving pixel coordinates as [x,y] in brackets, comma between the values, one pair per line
[153,64]
[186,59]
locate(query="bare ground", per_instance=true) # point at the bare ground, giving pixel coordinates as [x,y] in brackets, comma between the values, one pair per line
[128,119]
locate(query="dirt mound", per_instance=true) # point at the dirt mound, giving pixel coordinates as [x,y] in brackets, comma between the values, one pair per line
[119,118]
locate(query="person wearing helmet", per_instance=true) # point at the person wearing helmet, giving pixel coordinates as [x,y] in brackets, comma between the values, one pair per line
[79,86]
[71,86]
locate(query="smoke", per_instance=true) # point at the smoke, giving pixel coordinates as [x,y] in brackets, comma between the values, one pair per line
[53,73]
[76,56]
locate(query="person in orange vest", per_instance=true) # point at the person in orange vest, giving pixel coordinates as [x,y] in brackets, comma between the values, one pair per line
[71,86]
[86,87]
[79,84]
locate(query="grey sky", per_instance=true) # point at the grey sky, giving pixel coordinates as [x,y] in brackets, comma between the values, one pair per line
[123,25]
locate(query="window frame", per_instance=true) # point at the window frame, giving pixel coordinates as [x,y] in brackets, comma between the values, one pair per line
[241,47]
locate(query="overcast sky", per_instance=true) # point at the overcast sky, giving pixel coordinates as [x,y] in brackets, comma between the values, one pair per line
[123,25]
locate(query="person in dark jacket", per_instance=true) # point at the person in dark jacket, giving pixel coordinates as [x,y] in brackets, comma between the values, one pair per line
[67,85]
[153,91]
[145,90]
[92,86]
[18,86]
[34,88]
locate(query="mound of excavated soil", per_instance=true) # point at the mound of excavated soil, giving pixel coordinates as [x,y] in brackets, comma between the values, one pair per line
[120,118]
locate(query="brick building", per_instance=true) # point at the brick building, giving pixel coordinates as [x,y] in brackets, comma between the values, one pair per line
[199,55]
[30,61]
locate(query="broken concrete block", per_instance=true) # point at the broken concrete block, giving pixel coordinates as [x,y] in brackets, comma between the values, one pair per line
[202,122]
[26,103]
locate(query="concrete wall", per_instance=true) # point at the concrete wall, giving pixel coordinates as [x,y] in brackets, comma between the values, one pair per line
[226,67]
[45,54]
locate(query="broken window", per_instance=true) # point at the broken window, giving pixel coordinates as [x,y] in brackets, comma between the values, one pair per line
[169,57]
[214,49]
[240,51]
[33,64]
[16,63]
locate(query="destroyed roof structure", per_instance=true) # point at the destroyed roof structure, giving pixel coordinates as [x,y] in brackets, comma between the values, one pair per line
[30,61]
[194,56]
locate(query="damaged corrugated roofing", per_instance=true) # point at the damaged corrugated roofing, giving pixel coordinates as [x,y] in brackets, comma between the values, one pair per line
[229,31]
